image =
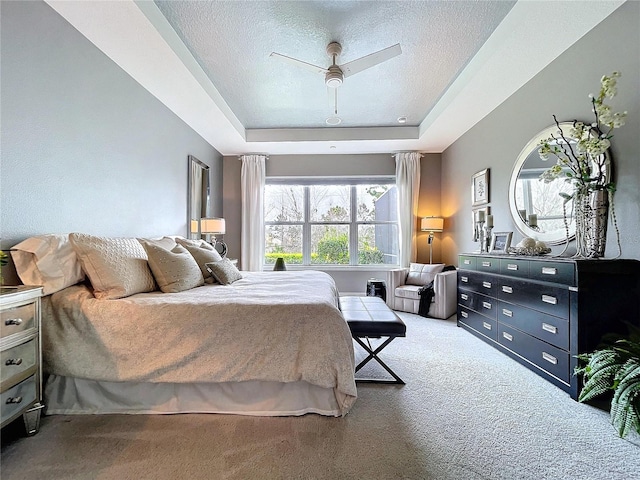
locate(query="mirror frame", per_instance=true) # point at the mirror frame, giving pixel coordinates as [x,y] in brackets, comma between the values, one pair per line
[521,226]
[198,194]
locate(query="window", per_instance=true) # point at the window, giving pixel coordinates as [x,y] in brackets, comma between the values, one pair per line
[331,221]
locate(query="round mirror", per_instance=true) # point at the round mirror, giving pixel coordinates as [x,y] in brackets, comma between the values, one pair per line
[537,207]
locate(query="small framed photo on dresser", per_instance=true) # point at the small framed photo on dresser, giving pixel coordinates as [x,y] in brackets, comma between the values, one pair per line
[500,242]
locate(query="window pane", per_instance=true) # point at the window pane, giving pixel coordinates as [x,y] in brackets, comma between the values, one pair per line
[330,203]
[283,241]
[330,244]
[377,202]
[283,203]
[377,244]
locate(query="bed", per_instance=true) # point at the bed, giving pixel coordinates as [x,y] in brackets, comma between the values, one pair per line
[269,344]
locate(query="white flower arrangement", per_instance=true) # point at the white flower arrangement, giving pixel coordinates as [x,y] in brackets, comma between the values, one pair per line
[584,163]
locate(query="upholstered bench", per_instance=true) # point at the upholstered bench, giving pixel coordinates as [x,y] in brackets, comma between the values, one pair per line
[369,317]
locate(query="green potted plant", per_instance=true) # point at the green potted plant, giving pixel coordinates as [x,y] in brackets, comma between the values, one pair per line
[615,369]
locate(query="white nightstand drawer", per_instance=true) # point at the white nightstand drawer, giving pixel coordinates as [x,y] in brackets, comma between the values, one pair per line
[17,398]
[17,319]
[17,360]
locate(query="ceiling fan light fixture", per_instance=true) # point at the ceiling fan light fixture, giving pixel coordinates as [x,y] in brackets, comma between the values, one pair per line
[333,77]
[333,121]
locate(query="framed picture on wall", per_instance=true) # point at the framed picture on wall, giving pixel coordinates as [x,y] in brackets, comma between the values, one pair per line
[476,214]
[500,242]
[480,188]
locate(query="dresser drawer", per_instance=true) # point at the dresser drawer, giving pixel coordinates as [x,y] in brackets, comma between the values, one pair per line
[17,398]
[17,319]
[488,264]
[551,329]
[544,298]
[17,360]
[486,326]
[557,272]
[514,268]
[478,282]
[466,263]
[479,303]
[545,356]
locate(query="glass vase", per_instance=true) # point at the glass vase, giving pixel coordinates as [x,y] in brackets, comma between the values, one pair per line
[591,210]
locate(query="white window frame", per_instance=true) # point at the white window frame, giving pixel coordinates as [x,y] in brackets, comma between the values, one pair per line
[306,223]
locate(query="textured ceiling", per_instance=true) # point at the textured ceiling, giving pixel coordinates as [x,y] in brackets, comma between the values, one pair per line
[208,62]
[232,40]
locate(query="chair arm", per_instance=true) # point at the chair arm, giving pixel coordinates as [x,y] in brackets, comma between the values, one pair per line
[395,278]
[445,286]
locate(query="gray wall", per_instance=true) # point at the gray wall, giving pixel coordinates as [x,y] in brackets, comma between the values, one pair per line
[347,279]
[84,147]
[562,89]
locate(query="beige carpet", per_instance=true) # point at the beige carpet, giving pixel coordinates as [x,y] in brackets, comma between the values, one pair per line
[467,412]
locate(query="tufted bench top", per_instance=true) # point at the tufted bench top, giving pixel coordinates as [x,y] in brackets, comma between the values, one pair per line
[370,317]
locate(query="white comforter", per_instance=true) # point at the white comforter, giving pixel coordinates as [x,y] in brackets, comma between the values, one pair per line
[273,326]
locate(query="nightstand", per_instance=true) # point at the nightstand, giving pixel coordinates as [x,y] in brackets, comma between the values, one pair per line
[20,353]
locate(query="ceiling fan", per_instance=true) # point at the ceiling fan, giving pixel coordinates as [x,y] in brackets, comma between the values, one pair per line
[335,74]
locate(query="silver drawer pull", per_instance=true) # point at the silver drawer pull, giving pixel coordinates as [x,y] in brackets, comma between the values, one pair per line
[464,314]
[512,266]
[467,262]
[11,400]
[464,279]
[486,305]
[13,321]
[486,325]
[508,336]
[13,361]
[507,313]
[549,299]
[464,296]
[506,289]
[549,271]
[486,284]
[549,358]
[486,264]
[549,328]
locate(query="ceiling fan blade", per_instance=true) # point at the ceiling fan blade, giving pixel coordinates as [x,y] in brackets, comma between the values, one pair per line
[371,60]
[300,63]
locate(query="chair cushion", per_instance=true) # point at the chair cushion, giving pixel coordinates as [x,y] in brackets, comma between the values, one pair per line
[421,273]
[411,292]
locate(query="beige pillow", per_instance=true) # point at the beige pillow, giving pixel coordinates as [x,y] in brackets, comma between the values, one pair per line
[224,271]
[117,267]
[203,253]
[47,260]
[175,270]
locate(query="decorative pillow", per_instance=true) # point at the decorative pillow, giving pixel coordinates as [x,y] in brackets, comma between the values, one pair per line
[167,243]
[47,260]
[203,253]
[117,267]
[175,270]
[421,274]
[224,271]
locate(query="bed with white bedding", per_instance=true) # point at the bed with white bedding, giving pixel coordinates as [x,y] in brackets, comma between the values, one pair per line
[272,343]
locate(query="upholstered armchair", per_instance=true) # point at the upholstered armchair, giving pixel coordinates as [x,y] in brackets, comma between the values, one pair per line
[404,284]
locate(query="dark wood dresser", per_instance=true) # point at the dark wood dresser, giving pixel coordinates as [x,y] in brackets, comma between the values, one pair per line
[543,311]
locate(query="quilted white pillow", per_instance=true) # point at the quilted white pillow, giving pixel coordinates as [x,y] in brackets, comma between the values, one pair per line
[421,273]
[117,267]
[47,260]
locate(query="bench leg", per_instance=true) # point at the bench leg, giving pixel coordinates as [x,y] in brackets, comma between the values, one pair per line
[373,355]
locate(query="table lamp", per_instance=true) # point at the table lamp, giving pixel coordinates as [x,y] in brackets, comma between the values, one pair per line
[431,225]
[214,226]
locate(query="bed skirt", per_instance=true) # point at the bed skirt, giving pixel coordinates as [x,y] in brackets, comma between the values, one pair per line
[71,396]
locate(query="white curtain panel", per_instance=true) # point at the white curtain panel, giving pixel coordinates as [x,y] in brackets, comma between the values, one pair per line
[408,184]
[252,243]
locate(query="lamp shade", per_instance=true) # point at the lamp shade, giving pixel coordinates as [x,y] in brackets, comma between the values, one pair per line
[432,224]
[214,226]
[193,228]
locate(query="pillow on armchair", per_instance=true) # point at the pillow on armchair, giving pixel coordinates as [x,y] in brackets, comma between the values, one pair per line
[421,273]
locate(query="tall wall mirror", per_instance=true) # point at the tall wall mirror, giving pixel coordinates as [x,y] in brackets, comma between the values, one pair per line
[536,207]
[199,191]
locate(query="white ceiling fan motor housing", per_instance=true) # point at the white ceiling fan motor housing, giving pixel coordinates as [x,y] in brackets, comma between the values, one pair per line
[333,77]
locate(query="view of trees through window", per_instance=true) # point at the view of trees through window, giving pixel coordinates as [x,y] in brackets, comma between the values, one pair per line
[331,224]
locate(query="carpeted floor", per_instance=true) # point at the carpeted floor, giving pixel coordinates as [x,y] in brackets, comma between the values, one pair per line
[467,412]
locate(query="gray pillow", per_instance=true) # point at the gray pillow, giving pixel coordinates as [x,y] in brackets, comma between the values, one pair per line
[175,270]
[203,254]
[224,271]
